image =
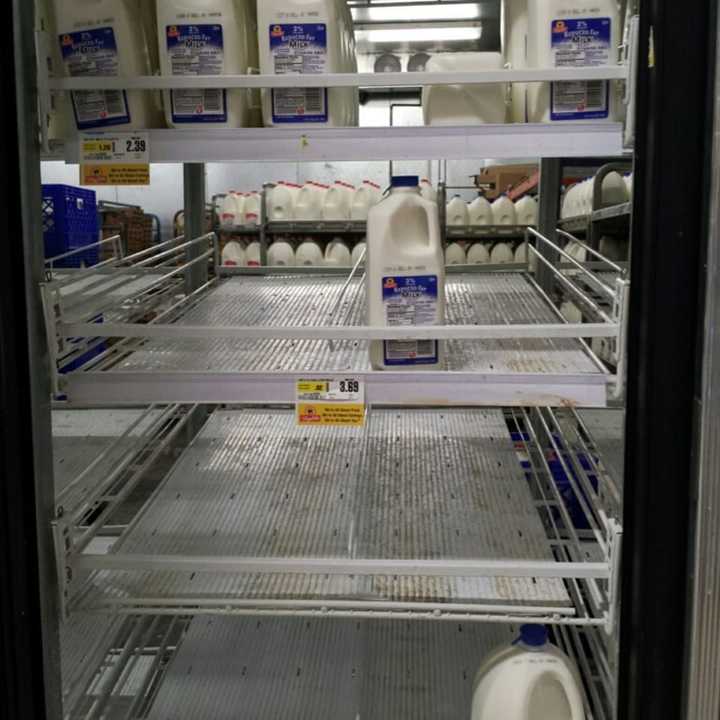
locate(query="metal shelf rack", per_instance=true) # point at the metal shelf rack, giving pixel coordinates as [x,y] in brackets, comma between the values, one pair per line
[334,524]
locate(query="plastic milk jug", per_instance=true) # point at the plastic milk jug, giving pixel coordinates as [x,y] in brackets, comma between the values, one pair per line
[478,255]
[253,254]
[367,195]
[457,212]
[232,210]
[427,190]
[573,33]
[337,253]
[281,202]
[455,254]
[357,252]
[309,202]
[528,680]
[309,254]
[233,254]
[526,211]
[281,254]
[106,38]
[405,277]
[480,212]
[516,31]
[503,210]
[252,209]
[502,254]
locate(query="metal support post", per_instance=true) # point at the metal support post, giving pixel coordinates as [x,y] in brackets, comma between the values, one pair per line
[548,214]
[195,194]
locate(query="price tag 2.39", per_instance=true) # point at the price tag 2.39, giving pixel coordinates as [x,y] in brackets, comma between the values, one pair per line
[336,402]
[115,158]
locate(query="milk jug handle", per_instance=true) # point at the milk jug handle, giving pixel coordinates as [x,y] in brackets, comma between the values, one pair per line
[565,680]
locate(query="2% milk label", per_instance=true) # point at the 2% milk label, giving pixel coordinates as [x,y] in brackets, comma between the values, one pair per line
[338,402]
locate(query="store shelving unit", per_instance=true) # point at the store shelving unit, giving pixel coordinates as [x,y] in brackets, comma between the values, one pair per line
[383,560]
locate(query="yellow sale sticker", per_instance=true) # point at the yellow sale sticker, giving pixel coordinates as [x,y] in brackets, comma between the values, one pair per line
[335,402]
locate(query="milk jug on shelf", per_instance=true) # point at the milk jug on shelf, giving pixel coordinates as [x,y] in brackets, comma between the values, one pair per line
[528,680]
[367,195]
[307,37]
[480,212]
[455,254]
[503,210]
[405,277]
[337,253]
[464,104]
[614,190]
[281,202]
[309,254]
[207,37]
[427,190]
[524,255]
[253,208]
[478,255]
[253,254]
[573,33]
[106,38]
[338,200]
[281,254]
[233,254]
[232,210]
[308,206]
[526,211]
[457,212]
[502,254]
[357,253]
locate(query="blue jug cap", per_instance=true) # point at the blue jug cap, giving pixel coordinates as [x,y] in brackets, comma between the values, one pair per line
[533,635]
[405,181]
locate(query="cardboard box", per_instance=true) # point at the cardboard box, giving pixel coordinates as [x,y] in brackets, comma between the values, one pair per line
[496,180]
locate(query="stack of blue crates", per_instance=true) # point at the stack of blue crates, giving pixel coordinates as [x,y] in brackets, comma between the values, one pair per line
[70,222]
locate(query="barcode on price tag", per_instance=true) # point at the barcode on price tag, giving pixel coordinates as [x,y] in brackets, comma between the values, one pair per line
[334,402]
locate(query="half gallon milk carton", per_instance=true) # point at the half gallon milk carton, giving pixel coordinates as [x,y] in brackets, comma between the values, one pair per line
[106,38]
[307,37]
[405,278]
[207,37]
[573,33]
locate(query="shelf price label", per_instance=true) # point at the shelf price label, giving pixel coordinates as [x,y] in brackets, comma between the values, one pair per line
[114,159]
[336,402]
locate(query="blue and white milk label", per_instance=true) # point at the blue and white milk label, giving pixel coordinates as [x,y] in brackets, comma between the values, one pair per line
[581,43]
[411,301]
[94,53]
[300,49]
[197,50]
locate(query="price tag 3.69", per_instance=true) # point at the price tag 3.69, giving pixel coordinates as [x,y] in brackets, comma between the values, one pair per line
[331,402]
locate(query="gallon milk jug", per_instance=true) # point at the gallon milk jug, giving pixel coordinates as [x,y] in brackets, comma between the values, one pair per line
[309,254]
[464,104]
[455,254]
[405,277]
[253,256]
[502,254]
[281,254]
[309,203]
[528,680]
[516,30]
[307,37]
[614,190]
[570,202]
[367,195]
[503,210]
[523,255]
[106,38]
[427,190]
[281,201]
[480,212]
[232,210]
[629,184]
[337,202]
[478,255]
[233,254]
[207,37]
[571,313]
[253,202]
[457,212]
[526,211]
[357,253]
[573,33]
[337,253]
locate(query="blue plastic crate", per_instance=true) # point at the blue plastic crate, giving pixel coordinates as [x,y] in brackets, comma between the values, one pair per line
[70,222]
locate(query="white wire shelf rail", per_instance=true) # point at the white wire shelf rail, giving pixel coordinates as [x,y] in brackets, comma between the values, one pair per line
[426,514]
[249,339]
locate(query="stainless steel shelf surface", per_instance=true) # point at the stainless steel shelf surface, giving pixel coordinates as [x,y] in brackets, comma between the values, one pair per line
[520,371]
[260,514]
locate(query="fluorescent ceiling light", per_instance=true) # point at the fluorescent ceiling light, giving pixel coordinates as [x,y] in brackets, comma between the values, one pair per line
[436,11]
[409,35]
